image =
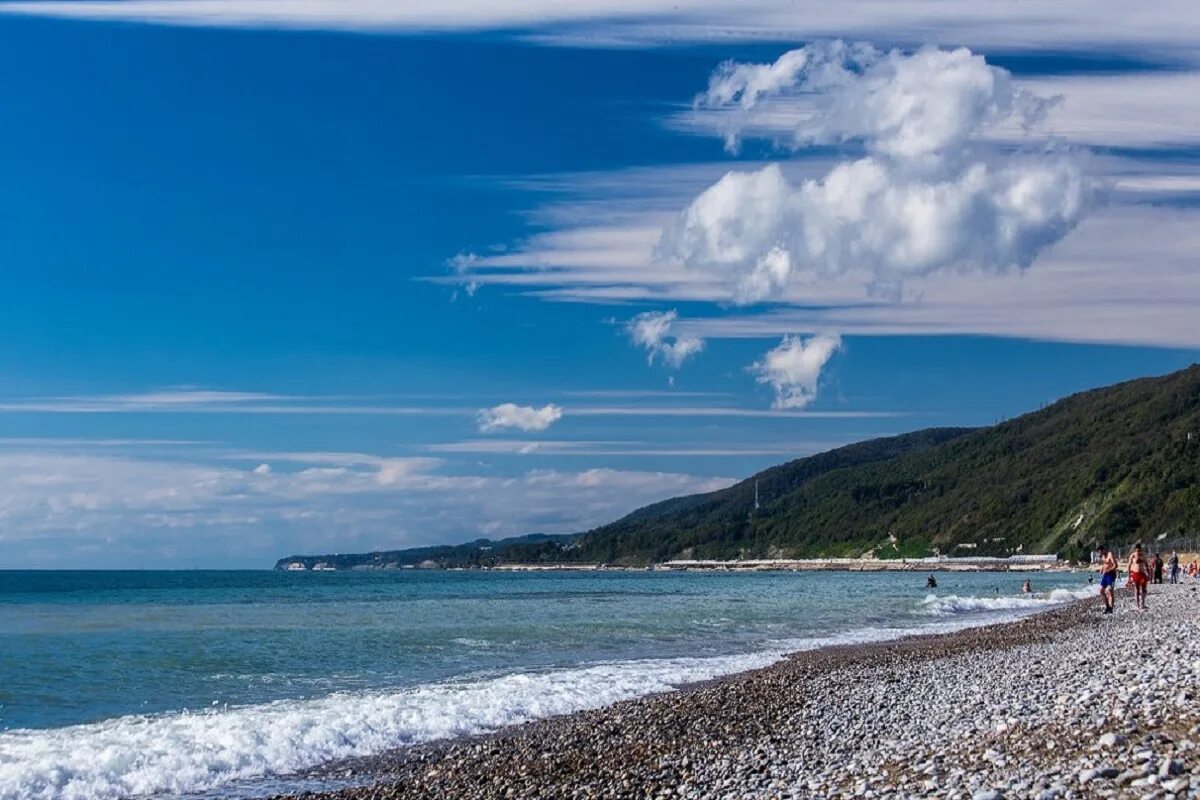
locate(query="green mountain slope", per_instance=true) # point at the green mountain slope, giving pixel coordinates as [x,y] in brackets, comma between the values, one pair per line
[1114,464]
[480,552]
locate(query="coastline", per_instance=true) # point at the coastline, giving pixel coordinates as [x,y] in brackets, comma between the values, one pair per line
[1015,563]
[1007,710]
[930,564]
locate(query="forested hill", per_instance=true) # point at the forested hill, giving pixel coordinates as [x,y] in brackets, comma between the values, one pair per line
[1111,464]
[480,552]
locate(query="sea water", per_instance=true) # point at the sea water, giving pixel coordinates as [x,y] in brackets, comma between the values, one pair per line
[232,684]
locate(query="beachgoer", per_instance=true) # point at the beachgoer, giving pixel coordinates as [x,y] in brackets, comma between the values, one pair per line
[931,582]
[1027,588]
[1108,578]
[1139,576]
[1158,568]
[1173,567]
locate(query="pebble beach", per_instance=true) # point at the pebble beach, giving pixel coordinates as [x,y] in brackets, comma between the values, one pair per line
[1069,703]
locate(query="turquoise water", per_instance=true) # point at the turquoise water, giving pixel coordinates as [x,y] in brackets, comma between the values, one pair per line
[212,679]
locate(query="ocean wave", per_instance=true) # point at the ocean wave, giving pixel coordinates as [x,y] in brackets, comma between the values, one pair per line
[187,753]
[479,644]
[951,604]
[192,752]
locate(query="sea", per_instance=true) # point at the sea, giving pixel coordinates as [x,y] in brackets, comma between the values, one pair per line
[198,684]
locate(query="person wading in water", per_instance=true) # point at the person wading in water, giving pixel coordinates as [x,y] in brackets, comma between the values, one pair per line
[1108,578]
[1139,576]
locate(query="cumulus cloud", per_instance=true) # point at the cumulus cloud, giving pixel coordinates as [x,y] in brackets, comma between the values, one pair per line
[793,368]
[926,198]
[652,330]
[901,105]
[525,418]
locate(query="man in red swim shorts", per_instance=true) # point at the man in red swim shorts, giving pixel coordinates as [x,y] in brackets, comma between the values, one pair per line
[1139,576]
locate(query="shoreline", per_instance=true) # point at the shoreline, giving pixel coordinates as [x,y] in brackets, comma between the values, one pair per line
[812,565]
[779,731]
[1047,564]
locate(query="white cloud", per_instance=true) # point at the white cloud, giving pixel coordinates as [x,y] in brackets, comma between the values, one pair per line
[86,509]
[1129,276]
[206,401]
[1169,26]
[337,14]
[793,368]
[765,233]
[170,399]
[187,396]
[793,449]
[1126,275]
[652,330]
[1107,109]
[902,106]
[923,201]
[1141,109]
[717,412]
[525,418]
[640,393]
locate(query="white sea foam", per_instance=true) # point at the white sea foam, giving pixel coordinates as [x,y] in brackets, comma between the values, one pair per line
[192,752]
[951,604]
[175,753]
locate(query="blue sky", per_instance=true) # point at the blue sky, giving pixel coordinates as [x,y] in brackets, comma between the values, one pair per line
[268,265]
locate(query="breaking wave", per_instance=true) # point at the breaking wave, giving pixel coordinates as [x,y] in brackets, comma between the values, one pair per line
[951,604]
[187,753]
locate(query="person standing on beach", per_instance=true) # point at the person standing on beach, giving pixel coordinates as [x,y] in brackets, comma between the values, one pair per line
[1139,576]
[1108,578]
[1173,567]
[1158,568]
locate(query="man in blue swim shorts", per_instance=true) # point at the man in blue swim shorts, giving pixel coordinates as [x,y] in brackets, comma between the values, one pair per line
[1108,578]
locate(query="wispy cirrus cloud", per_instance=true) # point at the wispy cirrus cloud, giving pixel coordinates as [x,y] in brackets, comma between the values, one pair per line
[1096,109]
[534,447]
[1126,275]
[647,394]
[506,416]
[168,399]
[1167,27]
[69,442]
[216,401]
[717,412]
